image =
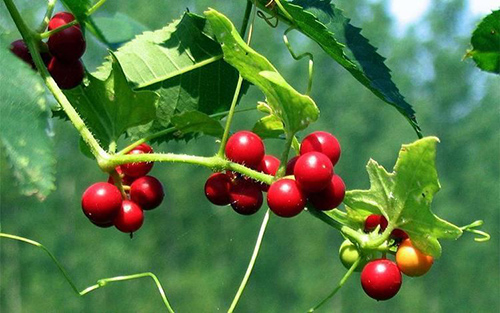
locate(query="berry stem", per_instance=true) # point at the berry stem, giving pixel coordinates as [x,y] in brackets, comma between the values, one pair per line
[341,283]
[48,14]
[101,282]
[284,156]
[251,264]
[49,33]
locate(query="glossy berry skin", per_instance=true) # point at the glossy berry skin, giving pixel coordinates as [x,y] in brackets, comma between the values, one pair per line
[69,44]
[217,189]
[102,225]
[373,220]
[285,198]
[144,147]
[66,75]
[130,217]
[101,202]
[381,279]
[147,192]
[313,171]
[290,166]
[348,254]
[323,142]
[411,261]
[245,147]
[246,196]
[138,169]
[20,49]
[330,197]
[399,235]
[269,165]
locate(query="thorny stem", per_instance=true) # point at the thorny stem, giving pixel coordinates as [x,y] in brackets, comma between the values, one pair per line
[101,282]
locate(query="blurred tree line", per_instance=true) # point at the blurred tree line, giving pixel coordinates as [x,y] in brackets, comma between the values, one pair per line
[200,252]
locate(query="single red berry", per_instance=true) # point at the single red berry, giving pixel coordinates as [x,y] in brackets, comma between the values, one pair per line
[322,142]
[245,147]
[138,169]
[285,198]
[60,19]
[313,171]
[399,235]
[217,189]
[66,75]
[330,197]
[126,180]
[291,165]
[147,192]
[101,202]
[269,165]
[373,220]
[381,279]
[20,49]
[69,44]
[130,217]
[246,196]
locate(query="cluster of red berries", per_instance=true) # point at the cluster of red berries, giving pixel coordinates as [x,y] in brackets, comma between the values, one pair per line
[104,205]
[310,176]
[62,52]
[381,279]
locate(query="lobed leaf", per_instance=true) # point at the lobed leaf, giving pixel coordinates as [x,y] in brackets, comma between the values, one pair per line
[24,126]
[486,43]
[119,28]
[404,196]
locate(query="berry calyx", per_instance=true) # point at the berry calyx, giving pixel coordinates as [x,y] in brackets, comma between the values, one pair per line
[101,202]
[20,49]
[246,196]
[69,44]
[67,75]
[411,261]
[269,165]
[130,217]
[381,279]
[217,189]
[313,171]
[285,198]
[373,220]
[147,192]
[323,142]
[330,197]
[138,169]
[245,147]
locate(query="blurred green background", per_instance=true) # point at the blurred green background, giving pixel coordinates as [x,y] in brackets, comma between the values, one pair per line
[200,252]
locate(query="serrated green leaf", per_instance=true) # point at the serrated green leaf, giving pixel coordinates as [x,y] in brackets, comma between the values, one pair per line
[78,7]
[110,107]
[24,126]
[295,110]
[404,196]
[486,43]
[197,122]
[269,127]
[119,28]
[327,26]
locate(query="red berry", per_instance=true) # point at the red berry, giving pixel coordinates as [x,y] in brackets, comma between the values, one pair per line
[147,192]
[60,19]
[381,279]
[66,75]
[101,202]
[245,147]
[138,169]
[269,165]
[373,220]
[126,180]
[291,165]
[246,196]
[322,142]
[130,217]
[20,49]
[330,197]
[285,198]
[102,225]
[69,44]
[217,189]
[399,235]
[313,171]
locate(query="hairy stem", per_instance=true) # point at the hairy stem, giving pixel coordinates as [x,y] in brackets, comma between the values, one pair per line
[251,264]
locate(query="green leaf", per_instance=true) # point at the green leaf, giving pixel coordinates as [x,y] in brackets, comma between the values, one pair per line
[327,26]
[197,122]
[119,28]
[110,107]
[404,196]
[486,43]
[295,110]
[24,126]
[78,7]
[269,127]
[184,65]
